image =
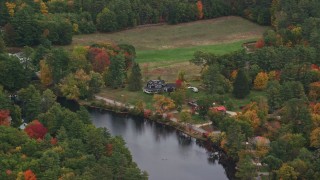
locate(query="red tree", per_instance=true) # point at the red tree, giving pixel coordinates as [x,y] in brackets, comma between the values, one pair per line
[178,83]
[147,113]
[99,59]
[101,62]
[109,148]
[200,9]
[29,175]
[260,44]
[36,130]
[53,141]
[4,118]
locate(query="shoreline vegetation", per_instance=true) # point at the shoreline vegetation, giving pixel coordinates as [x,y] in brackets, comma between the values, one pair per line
[122,110]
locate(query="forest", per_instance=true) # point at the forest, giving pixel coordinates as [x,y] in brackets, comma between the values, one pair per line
[282,125]
[32,22]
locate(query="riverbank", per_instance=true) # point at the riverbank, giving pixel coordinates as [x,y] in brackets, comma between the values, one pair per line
[191,130]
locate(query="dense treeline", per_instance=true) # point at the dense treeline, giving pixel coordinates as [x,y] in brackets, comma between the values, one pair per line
[279,128]
[62,145]
[58,143]
[32,22]
[281,124]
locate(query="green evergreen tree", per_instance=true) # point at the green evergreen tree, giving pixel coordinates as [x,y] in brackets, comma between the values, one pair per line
[31,102]
[135,78]
[2,45]
[58,60]
[12,74]
[116,73]
[107,21]
[27,28]
[235,139]
[48,100]
[241,85]
[246,168]
[273,95]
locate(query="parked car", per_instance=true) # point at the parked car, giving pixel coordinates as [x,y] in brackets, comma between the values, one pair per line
[193,104]
[147,91]
[194,89]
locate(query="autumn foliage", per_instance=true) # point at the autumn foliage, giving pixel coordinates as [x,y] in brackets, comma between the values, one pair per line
[260,44]
[43,8]
[11,7]
[147,113]
[314,92]
[109,149]
[4,118]
[178,83]
[200,9]
[261,81]
[163,104]
[315,138]
[99,58]
[36,130]
[29,175]
[45,74]
[53,141]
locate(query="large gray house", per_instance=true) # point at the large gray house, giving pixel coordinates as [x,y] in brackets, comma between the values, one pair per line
[158,86]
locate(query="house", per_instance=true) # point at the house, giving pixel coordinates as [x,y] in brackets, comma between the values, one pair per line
[158,86]
[154,86]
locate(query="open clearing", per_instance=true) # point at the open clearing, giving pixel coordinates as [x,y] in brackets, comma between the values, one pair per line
[154,37]
[162,42]
[166,49]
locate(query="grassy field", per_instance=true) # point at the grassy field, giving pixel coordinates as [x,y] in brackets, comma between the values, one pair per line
[177,43]
[185,53]
[155,37]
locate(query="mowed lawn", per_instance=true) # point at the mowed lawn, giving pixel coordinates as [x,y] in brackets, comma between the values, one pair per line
[186,53]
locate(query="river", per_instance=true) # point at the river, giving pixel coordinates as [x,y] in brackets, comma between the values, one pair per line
[162,151]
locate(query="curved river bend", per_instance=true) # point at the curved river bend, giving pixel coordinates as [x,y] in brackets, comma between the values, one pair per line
[162,151]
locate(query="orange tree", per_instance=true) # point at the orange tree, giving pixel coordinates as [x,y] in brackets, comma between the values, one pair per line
[163,104]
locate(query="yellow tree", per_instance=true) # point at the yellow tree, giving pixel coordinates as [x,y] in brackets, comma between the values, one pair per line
[45,73]
[163,104]
[315,138]
[261,81]
[43,8]
[314,93]
[83,80]
[11,7]
[69,87]
[252,117]
[272,75]
[315,120]
[233,75]
[287,172]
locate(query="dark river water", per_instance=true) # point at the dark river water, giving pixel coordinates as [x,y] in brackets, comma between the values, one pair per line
[162,151]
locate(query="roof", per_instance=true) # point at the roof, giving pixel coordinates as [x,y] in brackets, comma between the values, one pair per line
[220,108]
[171,85]
[156,82]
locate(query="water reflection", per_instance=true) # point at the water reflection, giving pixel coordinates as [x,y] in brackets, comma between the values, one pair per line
[139,126]
[164,152]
